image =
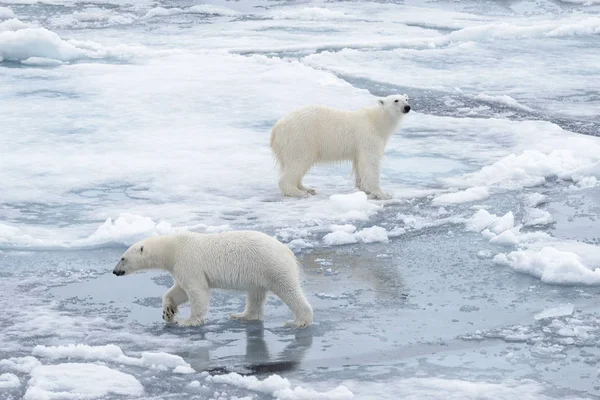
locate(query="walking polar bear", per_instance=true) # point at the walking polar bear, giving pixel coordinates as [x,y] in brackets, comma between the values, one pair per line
[238,260]
[318,134]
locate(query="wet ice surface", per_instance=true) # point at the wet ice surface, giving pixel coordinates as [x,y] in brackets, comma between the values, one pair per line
[479,280]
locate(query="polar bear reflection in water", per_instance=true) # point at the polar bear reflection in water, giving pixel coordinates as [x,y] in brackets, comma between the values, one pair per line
[318,134]
[238,260]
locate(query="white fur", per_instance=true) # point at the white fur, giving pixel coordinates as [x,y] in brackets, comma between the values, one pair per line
[239,260]
[318,134]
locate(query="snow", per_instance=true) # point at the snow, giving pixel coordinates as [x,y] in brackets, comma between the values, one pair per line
[464,196]
[79,381]
[551,266]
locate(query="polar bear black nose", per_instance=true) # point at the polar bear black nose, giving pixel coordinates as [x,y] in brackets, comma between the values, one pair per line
[119,272]
[406,109]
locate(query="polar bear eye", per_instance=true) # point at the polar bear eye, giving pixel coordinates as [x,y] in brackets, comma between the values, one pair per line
[395,101]
[142,249]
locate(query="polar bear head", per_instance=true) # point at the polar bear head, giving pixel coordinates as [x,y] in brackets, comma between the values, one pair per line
[145,254]
[397,104]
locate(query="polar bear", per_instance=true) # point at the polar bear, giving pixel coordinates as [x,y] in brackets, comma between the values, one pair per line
[318,134]
[238,260]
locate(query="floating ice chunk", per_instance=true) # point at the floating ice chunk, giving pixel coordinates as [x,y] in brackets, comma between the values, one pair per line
[397,231]
[6,13]
[21,44]
[507,221]
[535,199]
[109,353]
[504,99]
[354,206]
[280,388]
[212,9]
[344,228]
[197,9]
[80,381]
[299,244]
[587,182]
[506,238]
[42,62]
[537,217]
[162,12]
[481,220]
[20,364]
[180,369]
[465,196]
[554,312]
[311,14]
[373,234]
[483,254]
[551,266]
[8,381]
[528,169]
[126,229]
[339,238]
[345,234]
[13,24]
[20,41]
[13,236]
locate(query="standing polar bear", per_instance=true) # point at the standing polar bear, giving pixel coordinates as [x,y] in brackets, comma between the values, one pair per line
[318,134]
[239,260]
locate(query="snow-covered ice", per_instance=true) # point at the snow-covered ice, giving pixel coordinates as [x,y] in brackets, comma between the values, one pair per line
[126,119]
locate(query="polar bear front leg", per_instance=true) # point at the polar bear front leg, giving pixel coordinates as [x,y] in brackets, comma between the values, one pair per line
[255,302]
[369,167]
[174,297]
[199,301]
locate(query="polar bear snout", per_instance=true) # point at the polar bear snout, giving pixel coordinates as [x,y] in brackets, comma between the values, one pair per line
[119,269]
[406,109]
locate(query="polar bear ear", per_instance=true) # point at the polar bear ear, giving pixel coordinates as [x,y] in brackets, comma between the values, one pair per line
[381,102]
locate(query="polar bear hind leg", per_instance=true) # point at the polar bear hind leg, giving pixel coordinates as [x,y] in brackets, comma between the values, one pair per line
[290,181]
[295,300]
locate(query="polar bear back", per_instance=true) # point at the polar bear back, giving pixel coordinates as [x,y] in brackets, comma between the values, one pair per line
[322,133]
[235,260]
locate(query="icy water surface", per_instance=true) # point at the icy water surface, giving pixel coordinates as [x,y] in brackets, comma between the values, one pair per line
[479,280]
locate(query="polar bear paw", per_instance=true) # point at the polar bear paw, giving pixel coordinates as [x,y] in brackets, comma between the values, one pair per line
[245,317]
[169,312]
[308,190]
[190,322]
[298,324]
[381,196]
